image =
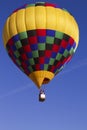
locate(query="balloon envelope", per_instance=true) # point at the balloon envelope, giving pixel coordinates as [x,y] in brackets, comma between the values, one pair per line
[41,38]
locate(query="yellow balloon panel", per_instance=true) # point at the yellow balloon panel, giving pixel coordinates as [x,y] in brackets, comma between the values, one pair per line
[20,21]
[51,18]
[60,20]
[30,18]
[6,34]
[40,17]
[12,25]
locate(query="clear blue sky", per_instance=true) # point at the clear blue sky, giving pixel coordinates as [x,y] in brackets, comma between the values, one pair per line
[66,104]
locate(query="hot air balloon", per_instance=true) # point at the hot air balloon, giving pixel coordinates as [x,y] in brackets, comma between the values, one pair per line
[41,38]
